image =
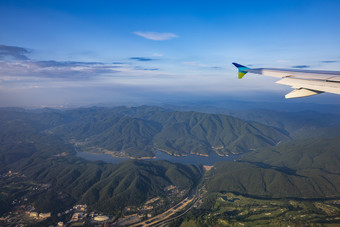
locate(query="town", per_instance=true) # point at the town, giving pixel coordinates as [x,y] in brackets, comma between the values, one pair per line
[23,212]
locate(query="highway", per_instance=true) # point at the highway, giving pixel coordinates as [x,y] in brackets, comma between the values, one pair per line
[166,217]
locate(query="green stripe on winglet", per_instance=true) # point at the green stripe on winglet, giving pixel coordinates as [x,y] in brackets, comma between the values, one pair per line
[242,70]
[241,74]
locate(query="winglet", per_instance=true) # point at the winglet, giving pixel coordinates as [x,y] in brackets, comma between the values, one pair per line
[242,70]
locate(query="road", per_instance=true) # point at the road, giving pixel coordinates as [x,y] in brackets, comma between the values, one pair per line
[167,214]
[165,218]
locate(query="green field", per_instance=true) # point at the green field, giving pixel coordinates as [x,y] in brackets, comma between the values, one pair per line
[237,210]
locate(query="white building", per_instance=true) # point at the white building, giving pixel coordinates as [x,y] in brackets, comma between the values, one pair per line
[34,214]
[101,218]
[44,215]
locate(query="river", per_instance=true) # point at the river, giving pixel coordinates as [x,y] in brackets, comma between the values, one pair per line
[160,155]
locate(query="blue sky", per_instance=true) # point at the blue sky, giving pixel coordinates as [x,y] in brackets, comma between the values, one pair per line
[88,52]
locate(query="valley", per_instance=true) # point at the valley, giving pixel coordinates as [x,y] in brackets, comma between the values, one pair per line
[257,174]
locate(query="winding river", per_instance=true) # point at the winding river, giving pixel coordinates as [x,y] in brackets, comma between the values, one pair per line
[160,155]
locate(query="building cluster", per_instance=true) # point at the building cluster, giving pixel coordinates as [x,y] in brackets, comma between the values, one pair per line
[41,187]
[176,192]
[24,213]
[81,214]
[11,173]
[39,215]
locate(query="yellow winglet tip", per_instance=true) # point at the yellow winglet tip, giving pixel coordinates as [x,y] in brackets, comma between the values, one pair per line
[241,74]
[242,70]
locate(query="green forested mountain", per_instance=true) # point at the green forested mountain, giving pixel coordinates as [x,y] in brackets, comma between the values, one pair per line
[105,187]
[137,131]
[42,159]
[300,124]
[294,121]
[131,136]
[306,168]
[316,153]
[35,143]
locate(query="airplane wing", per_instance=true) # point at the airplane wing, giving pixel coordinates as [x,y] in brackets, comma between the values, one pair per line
[304,82]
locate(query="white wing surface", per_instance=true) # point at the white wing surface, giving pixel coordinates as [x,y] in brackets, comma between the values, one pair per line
[305,82]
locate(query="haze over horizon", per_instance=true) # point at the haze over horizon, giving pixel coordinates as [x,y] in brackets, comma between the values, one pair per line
[131,113]
[83,53]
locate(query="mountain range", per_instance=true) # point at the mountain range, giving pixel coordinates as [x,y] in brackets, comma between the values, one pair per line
[292,157]
[138,132]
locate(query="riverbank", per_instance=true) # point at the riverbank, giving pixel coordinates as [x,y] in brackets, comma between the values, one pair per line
[161,155]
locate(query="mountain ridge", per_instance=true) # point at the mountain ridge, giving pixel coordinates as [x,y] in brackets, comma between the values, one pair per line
[178,133]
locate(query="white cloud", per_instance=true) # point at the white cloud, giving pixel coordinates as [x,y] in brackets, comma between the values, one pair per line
[157,35]
[55,70]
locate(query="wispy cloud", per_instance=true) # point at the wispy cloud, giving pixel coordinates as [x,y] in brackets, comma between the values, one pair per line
[300,66]
[141,59]
[13,52]
[146,69]
[158,36]
[118,63]
[55,70]
[329,61]
[52,63]
[193,63]
[17,68]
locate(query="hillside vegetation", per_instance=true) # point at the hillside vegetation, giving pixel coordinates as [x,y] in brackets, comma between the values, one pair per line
[294,183]
[48,164]
[36,144]
[306,168]
[137,132]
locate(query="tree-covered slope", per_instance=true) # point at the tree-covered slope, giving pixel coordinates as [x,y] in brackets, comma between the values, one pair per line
[307,168]
[41,158]
[137,131]
[316,153]
[104,187]
[302,124]
[302,169]
[199,133]
[126,135]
